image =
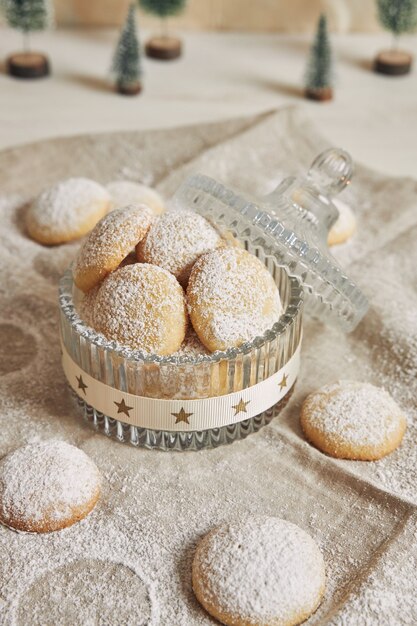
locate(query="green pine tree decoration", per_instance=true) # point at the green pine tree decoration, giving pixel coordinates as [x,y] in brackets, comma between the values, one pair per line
[163,46]
[28,16]
[319,75]
[397,16]
[163,8]
[126,60]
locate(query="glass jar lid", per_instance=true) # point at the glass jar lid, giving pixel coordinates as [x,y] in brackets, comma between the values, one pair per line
[291,224]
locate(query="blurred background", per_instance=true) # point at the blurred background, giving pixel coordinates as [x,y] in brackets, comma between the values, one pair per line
[232,15]
[239,58]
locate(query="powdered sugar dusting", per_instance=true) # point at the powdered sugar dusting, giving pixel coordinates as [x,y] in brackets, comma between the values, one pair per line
[177,240]
[232,298]
[358,413]
[141,306]
[260,570]
[60,206]
[110,242]
[124,192]
[46,480]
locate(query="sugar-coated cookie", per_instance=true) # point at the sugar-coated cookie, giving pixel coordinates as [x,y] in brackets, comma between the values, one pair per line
[66,211]
[232,298]
[259,571]
[143,307]
[47,486]
[345,225]
[124,192]
[109,243]
[353,420]
[176,240]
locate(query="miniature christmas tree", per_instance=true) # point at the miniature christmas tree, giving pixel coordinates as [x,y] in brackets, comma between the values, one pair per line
[397,16]
[319,70]
[126,61]
[164,46]
[27,16]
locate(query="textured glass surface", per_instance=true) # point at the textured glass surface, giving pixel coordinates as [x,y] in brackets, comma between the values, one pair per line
[185,377]
[291,225]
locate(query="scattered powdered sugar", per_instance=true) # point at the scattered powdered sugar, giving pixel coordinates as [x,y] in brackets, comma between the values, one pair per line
[232,298]
[177,240]
[143,307]
[62,204]
[47,480]
[259,570]
[357,413]
[155,506]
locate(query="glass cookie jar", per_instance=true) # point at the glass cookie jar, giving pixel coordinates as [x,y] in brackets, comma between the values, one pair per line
[188,402]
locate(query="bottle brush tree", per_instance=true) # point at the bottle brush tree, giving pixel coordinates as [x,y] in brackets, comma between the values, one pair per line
[126,60]
[28,16]
[319,75]
[163,46]
[397,16]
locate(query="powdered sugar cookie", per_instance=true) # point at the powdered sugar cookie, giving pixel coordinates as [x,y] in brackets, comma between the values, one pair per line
[47,486]
[176,241]
[124,192]
[66,211]
[232,298]
[353,420]
[345,225]
[259,571]
[109,243]
[142,306]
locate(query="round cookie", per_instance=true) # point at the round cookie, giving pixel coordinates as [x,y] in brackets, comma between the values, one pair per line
[353,420]
[176,241]
[259,571]
[47,486]
[109,243]
[345,225]
[66,211]
[232,298]
[143,307]
[124,192]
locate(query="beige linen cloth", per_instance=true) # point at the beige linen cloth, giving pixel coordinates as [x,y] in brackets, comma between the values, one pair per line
[129,561]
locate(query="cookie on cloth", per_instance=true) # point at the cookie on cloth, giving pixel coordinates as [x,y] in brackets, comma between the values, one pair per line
[143,307]
[353,420]
[232,298]
[109,243]
[47,486]
[259,571]
[124,192]
[176,240]
[66,211]
[345,225]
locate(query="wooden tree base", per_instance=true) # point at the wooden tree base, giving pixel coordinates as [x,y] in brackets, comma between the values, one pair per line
[28,65]
[393,62]
[129,90]
[164,48]
[321,95]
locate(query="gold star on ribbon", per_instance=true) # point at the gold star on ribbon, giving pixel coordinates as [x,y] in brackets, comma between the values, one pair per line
[283,382]
[182,416]
[81,384]
[241,406]
[123,408]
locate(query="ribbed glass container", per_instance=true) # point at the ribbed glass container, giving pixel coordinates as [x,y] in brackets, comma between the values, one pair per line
[183,377]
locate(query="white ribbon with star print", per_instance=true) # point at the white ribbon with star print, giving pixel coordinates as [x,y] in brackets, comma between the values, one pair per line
[181,415]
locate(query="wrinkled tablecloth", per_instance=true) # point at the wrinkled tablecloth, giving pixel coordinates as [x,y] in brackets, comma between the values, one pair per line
[129,561]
